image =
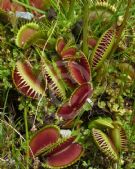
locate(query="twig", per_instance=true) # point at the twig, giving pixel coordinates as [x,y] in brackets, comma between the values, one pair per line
[50,36]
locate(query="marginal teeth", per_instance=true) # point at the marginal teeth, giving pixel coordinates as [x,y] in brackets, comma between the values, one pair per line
[30,89]
[54,83]
[54,87]
[107,5]
[96,59]
[100,50]
[25,85]
[106,41]
[22,82]
[25,81]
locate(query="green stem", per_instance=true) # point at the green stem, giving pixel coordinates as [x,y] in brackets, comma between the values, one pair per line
[85,27]
[71,9]
[122,27]
[27,2]
[27,137]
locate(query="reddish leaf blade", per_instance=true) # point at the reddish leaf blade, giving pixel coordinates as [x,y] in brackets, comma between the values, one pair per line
[26,33]
[55,82]
[44,138]
[65,74]
[105,144]
[60,44]
[16,7]
[80,95]
[68,52]
[103,48]
[71,123]
[66,157]
[5,5]
[67,112]
[25,81]
[62,144]
[78,98]
[40,4]
[68,124]
[80,69]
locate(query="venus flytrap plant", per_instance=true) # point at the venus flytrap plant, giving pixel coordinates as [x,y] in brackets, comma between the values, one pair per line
[67,83]
[101,15]
[113,141]
[30,34]
[54,83]
[104,144]
[84,89]
[103,48]
[25,33]
[48,142]
[25,80]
